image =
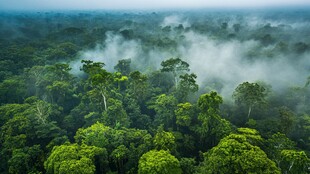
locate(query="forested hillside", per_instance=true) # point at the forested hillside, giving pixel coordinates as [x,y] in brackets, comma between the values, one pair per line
[155,92]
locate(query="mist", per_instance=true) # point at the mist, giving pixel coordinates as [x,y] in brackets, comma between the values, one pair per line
[219,64]
[226,62]
[110,51]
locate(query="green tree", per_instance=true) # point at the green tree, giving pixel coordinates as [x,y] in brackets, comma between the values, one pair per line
[275,144]
[160,81]
[26,125]
[164,140]
[95,135]
[53,83]
[159,162]
[294,162]
[14,134]
[119,156]
[188,165]
[286,120]
[130,144]
[301,132]
[139,87]
[209,103]
[186,86]
[250,95]
[8,111]
[72,158]
[120,80]
[184,114]
[164,107]
[99,80]
[138,120]
[13,90]
[176,66]
[123,66]
[236,154]
[116,114]
[26,160]
[212,127]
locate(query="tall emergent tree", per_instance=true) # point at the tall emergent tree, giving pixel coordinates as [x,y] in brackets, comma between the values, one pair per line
[176,66]
[123,66]
[99,79]
[186,85]
[212,127]
[250,95]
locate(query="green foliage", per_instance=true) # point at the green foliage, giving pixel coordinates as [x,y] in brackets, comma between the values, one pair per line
[93,135]
[188,165]
[250,95]
[158,162]
[13,135]
[138,120]
[7,111]
[115,114]
[138,86]
[72,158]
[124,146]
[275,144]
[184,114]
[164,140]
[294,162]
[119,155]
[186,86]
[176,66]
[252,136]
[286,120]
[212,127]
[210,103]
[26,160]
[99,80]
[164,107]
[235,154]
[123,66]
[14,132]
[13,90]
[301,132]
[91,67]
[53,83]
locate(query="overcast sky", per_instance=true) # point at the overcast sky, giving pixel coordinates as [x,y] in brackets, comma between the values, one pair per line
[141,4]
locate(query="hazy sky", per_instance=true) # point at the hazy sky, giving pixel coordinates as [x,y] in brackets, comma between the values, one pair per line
[141,4]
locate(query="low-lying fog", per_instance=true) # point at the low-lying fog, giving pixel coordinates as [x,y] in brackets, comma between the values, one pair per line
[226,62]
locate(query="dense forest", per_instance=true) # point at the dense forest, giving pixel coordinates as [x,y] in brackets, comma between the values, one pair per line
[155,92]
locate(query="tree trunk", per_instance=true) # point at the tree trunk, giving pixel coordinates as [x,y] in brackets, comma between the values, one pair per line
[175,80]
[104,101]
[291,165]
[249,112]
